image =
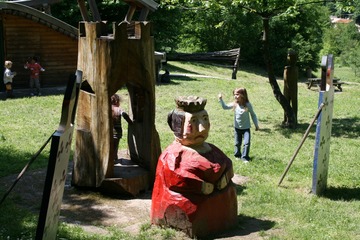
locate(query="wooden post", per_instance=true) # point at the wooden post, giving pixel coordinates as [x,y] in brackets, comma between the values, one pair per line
[323,127]
[236,65]
[291,75]
[83,10]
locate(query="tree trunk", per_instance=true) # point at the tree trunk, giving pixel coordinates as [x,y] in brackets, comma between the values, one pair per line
[285,104]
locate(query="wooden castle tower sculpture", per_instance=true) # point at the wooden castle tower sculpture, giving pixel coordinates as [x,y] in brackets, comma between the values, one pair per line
[109,62]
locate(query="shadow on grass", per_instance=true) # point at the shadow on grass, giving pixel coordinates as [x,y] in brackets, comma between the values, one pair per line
[13,162]
[246,226]
[173,68]
[181,77]
[346,127]
[239,189]
[81,206]
[26,93]
[300,129]
[253,69]
[342,193]
[341,127]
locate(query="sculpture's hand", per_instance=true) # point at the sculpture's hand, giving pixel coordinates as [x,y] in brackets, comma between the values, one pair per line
[207,188]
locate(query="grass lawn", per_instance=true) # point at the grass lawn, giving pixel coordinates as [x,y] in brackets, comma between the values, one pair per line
[290,211]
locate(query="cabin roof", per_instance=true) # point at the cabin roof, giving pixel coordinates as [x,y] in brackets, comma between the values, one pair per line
[40,17]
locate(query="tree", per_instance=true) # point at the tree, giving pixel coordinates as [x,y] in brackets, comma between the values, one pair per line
[69,11]
[277,14]
[354,59]
[343,39]
[167,29]
[217,24]
[267,9]
[302,31]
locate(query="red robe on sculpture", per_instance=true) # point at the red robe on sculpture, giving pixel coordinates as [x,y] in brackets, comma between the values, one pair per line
[194,192]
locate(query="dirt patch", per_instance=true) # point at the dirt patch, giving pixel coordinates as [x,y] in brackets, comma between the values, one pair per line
[92,210]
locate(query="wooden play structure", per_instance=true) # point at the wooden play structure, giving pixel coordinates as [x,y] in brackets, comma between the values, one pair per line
[110,61]
[27,32]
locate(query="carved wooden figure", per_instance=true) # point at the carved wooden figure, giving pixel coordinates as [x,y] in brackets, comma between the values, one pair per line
[291,73]
[193,190]
[109,62]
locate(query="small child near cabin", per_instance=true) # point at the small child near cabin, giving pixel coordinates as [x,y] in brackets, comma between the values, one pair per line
[8,79]
[242,111]
[35,69]
[117,113]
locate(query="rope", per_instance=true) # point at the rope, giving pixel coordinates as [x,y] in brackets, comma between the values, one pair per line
[25,168]
[302,142]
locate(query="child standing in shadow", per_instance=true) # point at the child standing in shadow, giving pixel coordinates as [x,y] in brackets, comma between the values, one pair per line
[8,79]
[117,113]
[35,69]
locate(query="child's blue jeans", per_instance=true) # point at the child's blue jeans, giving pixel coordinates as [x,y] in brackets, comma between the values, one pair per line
[242,136]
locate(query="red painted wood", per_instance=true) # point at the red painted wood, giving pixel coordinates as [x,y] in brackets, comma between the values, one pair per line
[178,199]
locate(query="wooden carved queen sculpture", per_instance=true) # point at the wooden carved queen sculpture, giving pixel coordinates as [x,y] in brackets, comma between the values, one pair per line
[193,190]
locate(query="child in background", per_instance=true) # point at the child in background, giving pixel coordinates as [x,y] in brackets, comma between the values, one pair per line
[117,113]
[242,111]
[35,70]
[8,79]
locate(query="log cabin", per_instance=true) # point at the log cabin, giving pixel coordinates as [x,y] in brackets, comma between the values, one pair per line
[26,32]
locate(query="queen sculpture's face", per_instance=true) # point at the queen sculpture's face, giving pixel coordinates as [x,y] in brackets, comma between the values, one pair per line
[196,128]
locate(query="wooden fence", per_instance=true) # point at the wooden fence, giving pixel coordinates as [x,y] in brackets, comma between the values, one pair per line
[227,56]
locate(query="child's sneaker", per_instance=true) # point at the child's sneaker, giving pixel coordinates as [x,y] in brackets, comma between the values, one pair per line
[245,160]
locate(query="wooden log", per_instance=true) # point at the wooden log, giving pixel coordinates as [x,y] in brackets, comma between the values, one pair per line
[231,56]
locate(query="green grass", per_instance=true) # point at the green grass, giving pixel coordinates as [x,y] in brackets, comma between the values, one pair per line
[286,212]
[26,124]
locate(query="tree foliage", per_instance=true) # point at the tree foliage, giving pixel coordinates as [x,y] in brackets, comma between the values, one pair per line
[264,29]
[343,40]
[301,30]
[69,12]
[219,25]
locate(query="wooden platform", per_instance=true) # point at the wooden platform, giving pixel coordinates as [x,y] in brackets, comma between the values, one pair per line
[129,178]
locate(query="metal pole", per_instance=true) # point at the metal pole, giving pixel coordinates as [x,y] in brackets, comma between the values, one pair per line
[302,142]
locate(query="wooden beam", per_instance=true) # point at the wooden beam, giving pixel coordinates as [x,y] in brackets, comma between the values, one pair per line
[94,10]
[143,14]
[130,13]
[83,10]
